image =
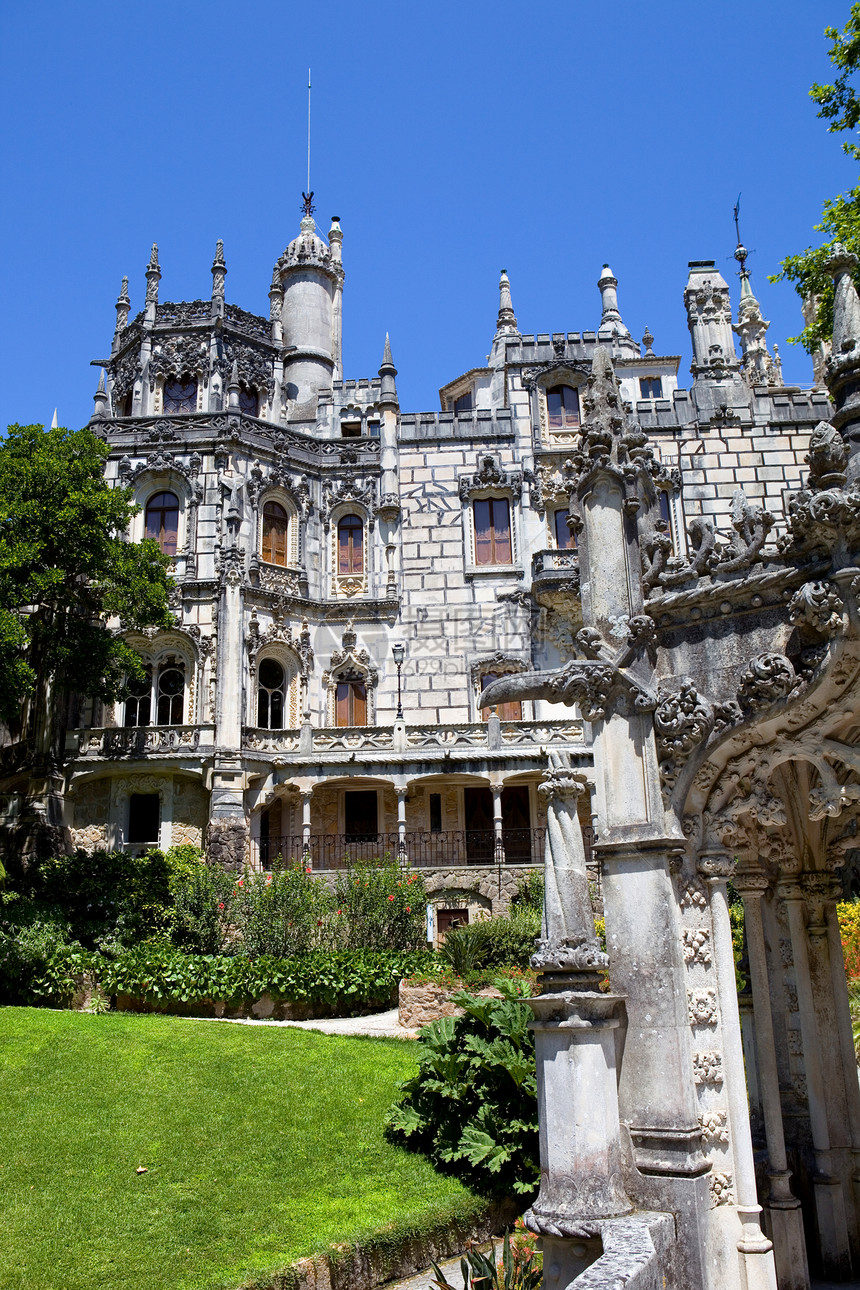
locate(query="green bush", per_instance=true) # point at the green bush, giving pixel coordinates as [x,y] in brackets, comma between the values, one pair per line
[381,905]
[105,895]
[39,963]
[201,901]
[530,891]
[508,940]
[346,980]
[472,1105]
[282,913]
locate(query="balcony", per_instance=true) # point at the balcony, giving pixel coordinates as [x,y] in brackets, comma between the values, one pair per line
[457,849]
[134,742]
[555,579]
[383,739]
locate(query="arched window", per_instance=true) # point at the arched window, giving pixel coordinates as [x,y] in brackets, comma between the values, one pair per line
[351,703]
[350,545]
[274,533]
[512,711]
[170,696]
[493,531]
[565,538]
[249,402]
[180,396]
[162,521]
[138,705]
[271,687]
[562,405]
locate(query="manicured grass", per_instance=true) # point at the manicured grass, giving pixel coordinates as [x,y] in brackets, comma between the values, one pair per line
[262,1145]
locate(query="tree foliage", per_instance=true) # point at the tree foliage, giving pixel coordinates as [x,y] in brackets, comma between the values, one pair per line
[65,568]
[840,221]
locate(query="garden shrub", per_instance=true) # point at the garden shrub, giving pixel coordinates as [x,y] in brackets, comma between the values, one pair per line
[201,901]
[105,895]
[39,963]
[282,913]
[382,905]
[472,1105]
[506,940]
[520,1267]
[530,891]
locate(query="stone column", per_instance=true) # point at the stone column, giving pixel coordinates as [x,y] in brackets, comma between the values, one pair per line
[829,1200]
[306,795]
[401,791]
[754,1247]
[784,1211]
[228,827]
[499,844]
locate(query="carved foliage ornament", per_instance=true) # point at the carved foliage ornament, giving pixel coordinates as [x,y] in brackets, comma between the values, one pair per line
[766,680]
[682,720]
[817,605]
[490,475]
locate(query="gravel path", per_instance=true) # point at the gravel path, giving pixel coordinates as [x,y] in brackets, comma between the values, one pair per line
[379,1025]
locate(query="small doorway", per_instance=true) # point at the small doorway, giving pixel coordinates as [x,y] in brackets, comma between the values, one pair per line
[448,918]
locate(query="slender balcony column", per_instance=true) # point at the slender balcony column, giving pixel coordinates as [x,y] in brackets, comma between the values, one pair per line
[829,1198]
[786,1218]
[401,792]
[306,796]
[754,1247]
[497,824]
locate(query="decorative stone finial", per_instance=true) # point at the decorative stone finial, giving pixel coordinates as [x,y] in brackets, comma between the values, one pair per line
[387,360]
[123,305]
[648,342]
[100,399]
[54,422]
[843,366]
[219,273]
[387,372]
[612,328]
[507,319]
[335,237]
[233,386]
[153,275]
[840,264]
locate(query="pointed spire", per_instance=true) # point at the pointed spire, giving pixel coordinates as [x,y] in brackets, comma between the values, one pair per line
[219,273]
[387,372]
[507,319]
[100,399]
[123,305]
[612,328]
[841,264]
[335,238]
[55,425]
[153,276]
[843,366]
[233,386]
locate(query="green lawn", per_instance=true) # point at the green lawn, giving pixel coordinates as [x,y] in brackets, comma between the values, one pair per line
[261,1145]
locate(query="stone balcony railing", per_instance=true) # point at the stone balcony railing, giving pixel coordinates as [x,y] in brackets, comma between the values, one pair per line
[408,740]
[555,577]
[141,741]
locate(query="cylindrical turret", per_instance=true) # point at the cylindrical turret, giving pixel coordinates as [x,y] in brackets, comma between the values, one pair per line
[312,278]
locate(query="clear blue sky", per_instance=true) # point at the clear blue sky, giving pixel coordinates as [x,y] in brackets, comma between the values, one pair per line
[451,138]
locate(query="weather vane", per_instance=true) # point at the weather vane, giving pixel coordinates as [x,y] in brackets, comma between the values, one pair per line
[741,252]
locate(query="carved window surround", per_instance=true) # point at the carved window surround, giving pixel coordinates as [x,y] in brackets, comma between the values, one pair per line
[500,664]
[157,651]
[350,663]
[537,380]
[293,652]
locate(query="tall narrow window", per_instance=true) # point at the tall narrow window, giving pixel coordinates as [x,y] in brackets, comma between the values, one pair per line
[171,695]
[565,538]
[493,531]
[512,711]
[464,403]
[180,396]
[162,521]
[351,703]
[435,812]
[270,695]
[562,405]
[249,402]
[350,545]
[138,705]
[274,533]
[361,815]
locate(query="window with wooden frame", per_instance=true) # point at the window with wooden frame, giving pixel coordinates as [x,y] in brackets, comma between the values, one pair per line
[162,521]
[493,543]
[650,387]
[350,544]
[565,538]
[562,407]
[271,692]
[180,396]
[350,703]
[512,711]
[275,526]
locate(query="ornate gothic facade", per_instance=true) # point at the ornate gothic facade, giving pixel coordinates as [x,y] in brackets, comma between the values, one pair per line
[653,587]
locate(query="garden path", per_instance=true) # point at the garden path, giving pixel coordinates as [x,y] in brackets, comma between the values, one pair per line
[379,1025]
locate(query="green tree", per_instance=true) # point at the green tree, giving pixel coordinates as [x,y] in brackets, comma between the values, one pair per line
[65,569]
[838,104]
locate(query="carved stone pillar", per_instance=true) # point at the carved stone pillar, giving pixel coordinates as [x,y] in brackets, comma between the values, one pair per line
[784,1212]
[306,796]
[754,1247]
[499,837]
[401,792]
[829,1198]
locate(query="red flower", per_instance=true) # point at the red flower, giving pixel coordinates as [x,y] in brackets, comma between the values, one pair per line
[221,904]
[340,911]
[408,910]
[240,883]
[390,897]
[319,922]
[307,871]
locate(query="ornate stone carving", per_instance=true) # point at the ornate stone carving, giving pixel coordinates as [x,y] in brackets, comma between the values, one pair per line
[696,945]
[707,1068]
[715,1129]
[702,1007]
[682,720]
[817,605]
[491,475]
[177,356]
[766,680]
[721,1188]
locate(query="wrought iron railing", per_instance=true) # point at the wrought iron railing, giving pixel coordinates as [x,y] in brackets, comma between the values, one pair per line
[421,850]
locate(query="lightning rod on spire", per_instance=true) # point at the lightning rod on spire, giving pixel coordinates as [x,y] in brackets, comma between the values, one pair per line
[309,130]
